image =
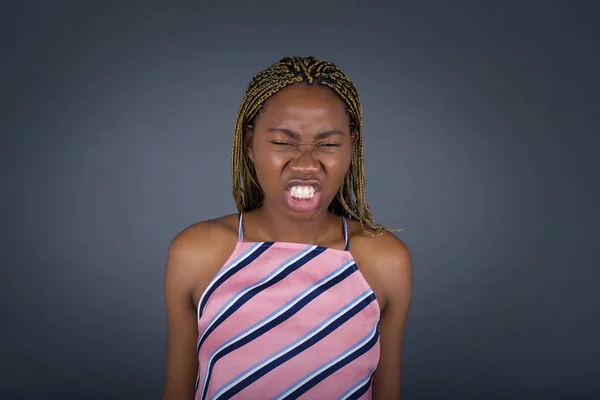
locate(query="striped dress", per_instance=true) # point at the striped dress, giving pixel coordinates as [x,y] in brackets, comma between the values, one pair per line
[285,321]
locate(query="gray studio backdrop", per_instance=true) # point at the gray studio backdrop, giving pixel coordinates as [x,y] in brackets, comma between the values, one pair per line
[481,136]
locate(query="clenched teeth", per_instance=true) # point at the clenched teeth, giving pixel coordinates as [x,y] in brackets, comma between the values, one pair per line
[302,192]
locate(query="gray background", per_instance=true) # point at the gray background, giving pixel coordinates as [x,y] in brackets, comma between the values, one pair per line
[481,135]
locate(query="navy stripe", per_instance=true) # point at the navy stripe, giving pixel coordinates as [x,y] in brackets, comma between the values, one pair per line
[335,367]
[361,386]
[263,247]
[250,294]
[361,390]
[278,320]
[294,352]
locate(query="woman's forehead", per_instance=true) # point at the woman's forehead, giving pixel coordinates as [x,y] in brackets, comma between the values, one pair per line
[305,104]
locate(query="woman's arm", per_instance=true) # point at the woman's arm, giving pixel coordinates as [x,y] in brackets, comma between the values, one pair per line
[195,255]
[182,330]
[393,265]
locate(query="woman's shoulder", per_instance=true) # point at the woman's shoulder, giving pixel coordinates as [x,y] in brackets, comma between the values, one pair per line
[383,257]
[207,232]
[203,245]
[368,241]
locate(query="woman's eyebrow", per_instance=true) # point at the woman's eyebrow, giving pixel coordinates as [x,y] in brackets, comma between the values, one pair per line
[326,134]
[294,135]
[286,132]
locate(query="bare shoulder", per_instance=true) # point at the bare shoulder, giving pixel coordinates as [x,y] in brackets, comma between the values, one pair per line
[384,259]
[385,248]
[202,235]
[197,251]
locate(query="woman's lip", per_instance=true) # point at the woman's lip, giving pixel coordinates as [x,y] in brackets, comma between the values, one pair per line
[299,182]
[303,205]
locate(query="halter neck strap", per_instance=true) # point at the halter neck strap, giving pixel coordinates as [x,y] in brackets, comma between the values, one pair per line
[346,238]
[241,227]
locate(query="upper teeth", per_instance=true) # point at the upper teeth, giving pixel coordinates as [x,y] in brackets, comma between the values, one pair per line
[303,192]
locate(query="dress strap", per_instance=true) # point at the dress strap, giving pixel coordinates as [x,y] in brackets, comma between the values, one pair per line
[241,227]
[346,238]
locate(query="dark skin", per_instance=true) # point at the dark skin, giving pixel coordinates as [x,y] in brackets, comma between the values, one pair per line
[297,114]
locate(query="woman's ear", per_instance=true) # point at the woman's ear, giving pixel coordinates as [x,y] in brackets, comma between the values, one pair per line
[248,135]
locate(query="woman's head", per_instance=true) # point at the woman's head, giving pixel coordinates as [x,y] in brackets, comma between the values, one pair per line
[298,142]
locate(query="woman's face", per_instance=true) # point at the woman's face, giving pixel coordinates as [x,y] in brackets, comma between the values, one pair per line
[301,149]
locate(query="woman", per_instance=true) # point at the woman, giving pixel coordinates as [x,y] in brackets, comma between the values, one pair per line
[300,293]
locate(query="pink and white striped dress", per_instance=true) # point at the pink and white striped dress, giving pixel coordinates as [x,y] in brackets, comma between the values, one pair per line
[285,321]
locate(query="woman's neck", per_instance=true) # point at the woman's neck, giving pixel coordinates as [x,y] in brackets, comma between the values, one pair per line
[276,226]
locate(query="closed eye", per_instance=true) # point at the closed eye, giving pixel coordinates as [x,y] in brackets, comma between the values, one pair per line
[290,144]
[278,143]
[329,144]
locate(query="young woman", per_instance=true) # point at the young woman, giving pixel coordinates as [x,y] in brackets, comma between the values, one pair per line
[300,293]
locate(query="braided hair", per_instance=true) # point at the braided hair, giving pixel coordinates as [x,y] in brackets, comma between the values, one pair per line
[350,198]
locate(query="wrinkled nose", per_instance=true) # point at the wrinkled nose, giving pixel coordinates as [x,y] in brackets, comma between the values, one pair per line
[305,163]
